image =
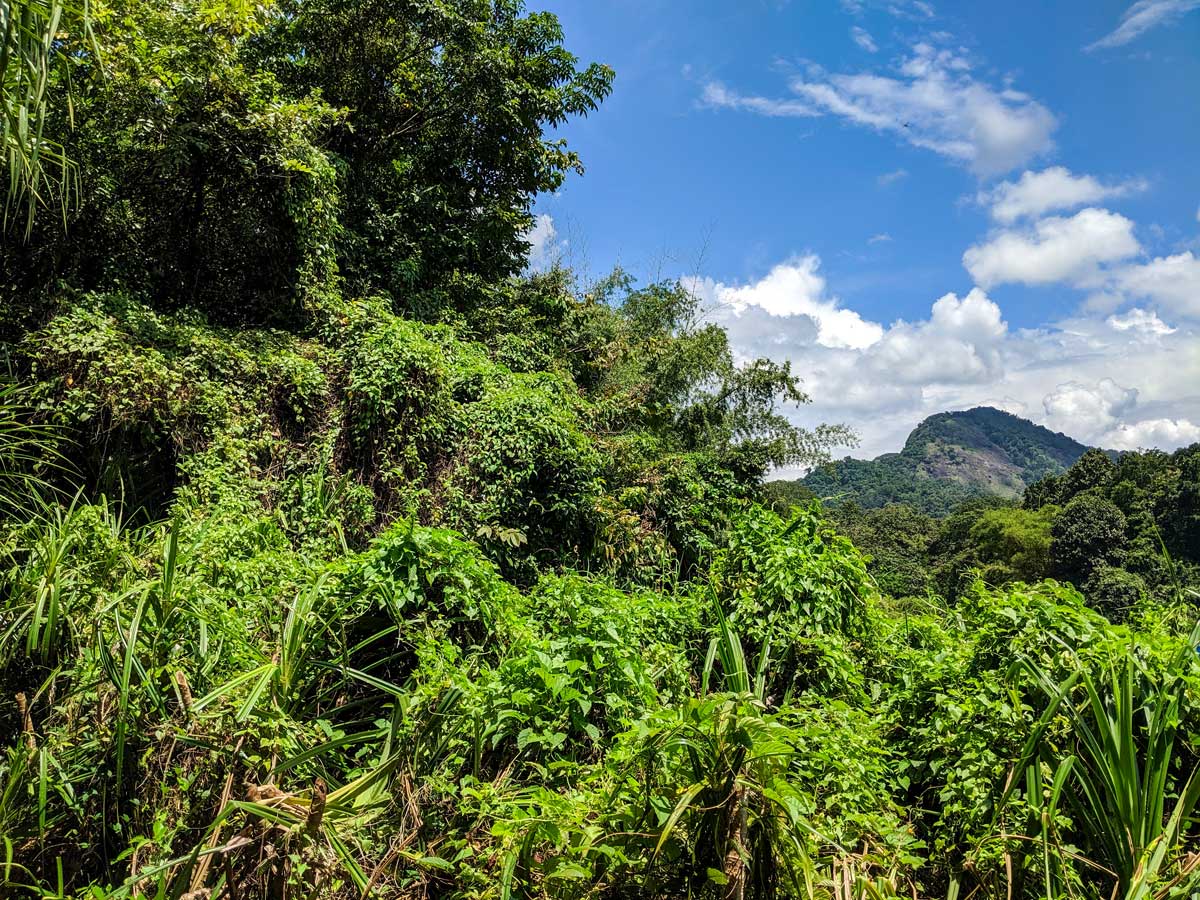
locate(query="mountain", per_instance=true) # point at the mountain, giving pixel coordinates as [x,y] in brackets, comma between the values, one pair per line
[950,457]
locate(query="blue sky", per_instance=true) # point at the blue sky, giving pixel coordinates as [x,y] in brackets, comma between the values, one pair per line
[922,205]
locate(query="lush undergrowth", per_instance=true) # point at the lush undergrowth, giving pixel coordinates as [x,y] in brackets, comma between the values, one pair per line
[226,704]
[214,705]
[341,557]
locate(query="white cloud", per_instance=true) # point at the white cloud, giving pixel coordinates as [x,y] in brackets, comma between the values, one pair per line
[1164,433]
[718,96]
[1053,249]
[882,238]
[905,9]
[1141,322]
[794,289]
[958,344]
[1092,249]
[933,102]
[544,249]
[787,315]
[1114,378]
[889,178]
[974,317]
[936,103]
[1036,193]
[1100,413]
[863,38]
[1081,409]
[1171,281]
[1141,17]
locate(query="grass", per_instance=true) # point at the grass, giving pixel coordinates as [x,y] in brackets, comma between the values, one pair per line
[1115,773]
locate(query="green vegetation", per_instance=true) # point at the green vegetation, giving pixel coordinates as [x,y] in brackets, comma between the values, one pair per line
[1123,532]
[948,459]
[340,557]
[31,60]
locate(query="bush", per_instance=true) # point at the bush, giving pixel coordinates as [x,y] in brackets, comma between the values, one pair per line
[525,474]
[398,404]
[801,590]
[1114,592]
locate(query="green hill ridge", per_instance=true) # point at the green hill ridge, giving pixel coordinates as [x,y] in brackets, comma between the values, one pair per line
[950,457]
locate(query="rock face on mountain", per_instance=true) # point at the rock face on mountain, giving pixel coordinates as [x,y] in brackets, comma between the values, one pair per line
[950,457]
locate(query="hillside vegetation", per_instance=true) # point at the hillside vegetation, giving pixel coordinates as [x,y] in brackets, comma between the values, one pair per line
[1122,531]
[950,458]
[343,557]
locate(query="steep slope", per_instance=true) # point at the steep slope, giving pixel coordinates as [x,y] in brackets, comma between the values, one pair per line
[951,457]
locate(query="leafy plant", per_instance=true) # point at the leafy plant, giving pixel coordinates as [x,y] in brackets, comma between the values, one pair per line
[1130,806]
[33,77]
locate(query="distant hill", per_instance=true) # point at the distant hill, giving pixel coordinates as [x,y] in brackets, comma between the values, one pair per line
[949,458]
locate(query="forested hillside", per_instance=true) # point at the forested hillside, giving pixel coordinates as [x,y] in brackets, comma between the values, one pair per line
[342,556]
[1121,531]
[950,458]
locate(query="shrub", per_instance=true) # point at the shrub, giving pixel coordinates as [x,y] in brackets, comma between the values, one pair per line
[398,404]
[1114,592]
[802,591]
[525,474]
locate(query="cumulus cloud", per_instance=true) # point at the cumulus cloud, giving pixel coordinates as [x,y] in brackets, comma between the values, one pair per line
[794,289]
[863,38]
[1092,249]
[958,344]
[788,314]
[932,101]
[1056,188]
[1109,378]
[1082,409]
[1165,433]
[1053,249]
[1141,17]
[1140,322]
[1171,281]
[1100,413]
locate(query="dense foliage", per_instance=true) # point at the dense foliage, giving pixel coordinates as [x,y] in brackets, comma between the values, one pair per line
[341,557]
[1120,531]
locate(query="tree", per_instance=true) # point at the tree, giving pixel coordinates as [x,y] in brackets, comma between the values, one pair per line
[247,160]
[1091,471]
[1114,591]
[1090,532]
[896,538]
[953,555]
[444,145]
[666,370]
[1017,540]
